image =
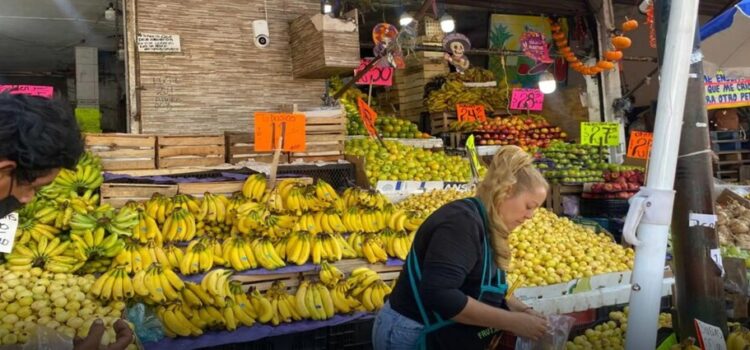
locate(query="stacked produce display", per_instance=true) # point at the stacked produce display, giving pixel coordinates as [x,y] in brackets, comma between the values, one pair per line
[528,132]
[733,228]
[610,334]
[448,91]
[621,184]
[400,162]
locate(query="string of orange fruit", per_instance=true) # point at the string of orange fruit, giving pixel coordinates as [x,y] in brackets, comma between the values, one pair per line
[618,43]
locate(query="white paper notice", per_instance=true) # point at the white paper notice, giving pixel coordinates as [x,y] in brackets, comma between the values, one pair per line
[8,226]
[710,336]
[704,220]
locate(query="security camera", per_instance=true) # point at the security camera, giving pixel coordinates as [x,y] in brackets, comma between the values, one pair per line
[260,34]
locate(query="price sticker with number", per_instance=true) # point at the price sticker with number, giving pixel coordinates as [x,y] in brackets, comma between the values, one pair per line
[527,99]
[710,337]
[368,117]
[8,227]
[640,144]
[272,127]
[378,76]
[470,113]
[600,134]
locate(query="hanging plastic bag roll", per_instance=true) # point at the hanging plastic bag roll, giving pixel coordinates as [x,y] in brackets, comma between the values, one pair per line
[556,337]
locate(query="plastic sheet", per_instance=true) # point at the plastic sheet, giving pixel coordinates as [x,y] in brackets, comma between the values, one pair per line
[43,338]
[248,334]
[147,325]
[556,337]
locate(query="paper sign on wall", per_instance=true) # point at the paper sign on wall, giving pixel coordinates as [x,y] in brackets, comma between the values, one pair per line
[726,92]
[150,42]
[640,144]
[33,90]
[269,127]
[470,113]
[378,76]
[710,337]
[600,134]
[527,99]
[368,117]
[8,226]
[535,47]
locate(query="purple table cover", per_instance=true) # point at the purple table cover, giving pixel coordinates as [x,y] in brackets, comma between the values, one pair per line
[248,334]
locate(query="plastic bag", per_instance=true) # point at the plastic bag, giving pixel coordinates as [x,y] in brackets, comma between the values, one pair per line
[556,337]
[147,325]
[43,338]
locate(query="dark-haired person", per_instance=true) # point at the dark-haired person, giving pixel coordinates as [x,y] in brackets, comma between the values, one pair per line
[38,137]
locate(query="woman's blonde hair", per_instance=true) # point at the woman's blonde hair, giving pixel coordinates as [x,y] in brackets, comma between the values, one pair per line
[510,173]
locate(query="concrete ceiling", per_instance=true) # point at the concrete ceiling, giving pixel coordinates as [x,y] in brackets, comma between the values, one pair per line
[40,35]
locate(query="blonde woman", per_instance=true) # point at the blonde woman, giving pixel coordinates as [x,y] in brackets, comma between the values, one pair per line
[451,294]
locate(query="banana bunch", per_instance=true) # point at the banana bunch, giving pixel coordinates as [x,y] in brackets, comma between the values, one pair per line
[213,210]
[234,316]
[156,207]
[251,217]
[195,296]
[464,126]
[185,201]
[738,339]
[397,244]
[373,250]
[238,253]
[234,203]
[133,258]
[199,257]
[314,301]
[119,222]
[147,229]
[175,321]
[306,222]
[342,299]
[329,221]
[266,254]
[94,244]
[179,226]
[278,225]
[330,275]
[158,285]
[31,227]
[325,247]
[113,285]
[216,284]
[368,198]
[357,219]
[402,220]
[87,202]
[325,192]
[369,289]
[85,177]
[275,202]
[174,255]
[255,187]
[298,247]
[295,201]
[283,306]
[50,255]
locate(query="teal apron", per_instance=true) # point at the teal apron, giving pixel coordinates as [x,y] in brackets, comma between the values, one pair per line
[440,332]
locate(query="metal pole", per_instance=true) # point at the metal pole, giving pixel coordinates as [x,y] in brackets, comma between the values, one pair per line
[698,280]
[654,203]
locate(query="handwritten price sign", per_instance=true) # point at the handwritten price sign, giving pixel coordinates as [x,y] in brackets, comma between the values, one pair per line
[8,226]
[640,144]
[368,117]
[470,113]
[600,134]
[269,127]
[378,76]
[527,99]
[710,336]
[33,90]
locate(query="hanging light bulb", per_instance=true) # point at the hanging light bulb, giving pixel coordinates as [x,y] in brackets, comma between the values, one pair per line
[547,83]
[327,7]
[110,13]
[447,24]
[405,19]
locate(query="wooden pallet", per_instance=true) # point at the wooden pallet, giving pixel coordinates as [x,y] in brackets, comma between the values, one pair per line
[440,122]
[325,132]
[240,148]
[123,151]
[117,194]
[198,189]
[177,151]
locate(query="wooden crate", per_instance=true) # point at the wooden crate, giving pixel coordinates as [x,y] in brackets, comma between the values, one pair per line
[410,82]
[240,148]
[440,122]
[429,32]
[559,191]
[325,132]
[176,151]
[318,53]
[123,151]
[197,189]
[117,194]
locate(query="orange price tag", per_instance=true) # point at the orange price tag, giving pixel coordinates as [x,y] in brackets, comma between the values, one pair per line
[368,117]
[640,144]
[269,127]
[470,113]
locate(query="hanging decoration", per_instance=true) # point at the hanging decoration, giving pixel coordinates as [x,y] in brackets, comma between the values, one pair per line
[382,35]
[455,45]
[651,25]
[618,43]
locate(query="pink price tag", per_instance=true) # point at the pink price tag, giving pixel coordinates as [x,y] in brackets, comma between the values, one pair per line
[378,76]
[527,100]
[33,90]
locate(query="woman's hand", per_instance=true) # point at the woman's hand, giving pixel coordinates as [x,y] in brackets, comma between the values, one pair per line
[529,326]
[92,340]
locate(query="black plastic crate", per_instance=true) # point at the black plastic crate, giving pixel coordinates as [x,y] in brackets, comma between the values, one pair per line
[604,208]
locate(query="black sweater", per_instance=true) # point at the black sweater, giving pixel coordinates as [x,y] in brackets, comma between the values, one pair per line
[449,249]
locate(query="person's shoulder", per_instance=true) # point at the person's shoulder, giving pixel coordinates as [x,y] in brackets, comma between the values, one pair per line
[458,210]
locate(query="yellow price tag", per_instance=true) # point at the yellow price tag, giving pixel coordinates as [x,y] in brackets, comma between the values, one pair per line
[600,134]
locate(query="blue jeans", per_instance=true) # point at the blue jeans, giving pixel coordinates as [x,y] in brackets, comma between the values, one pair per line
[394,331]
